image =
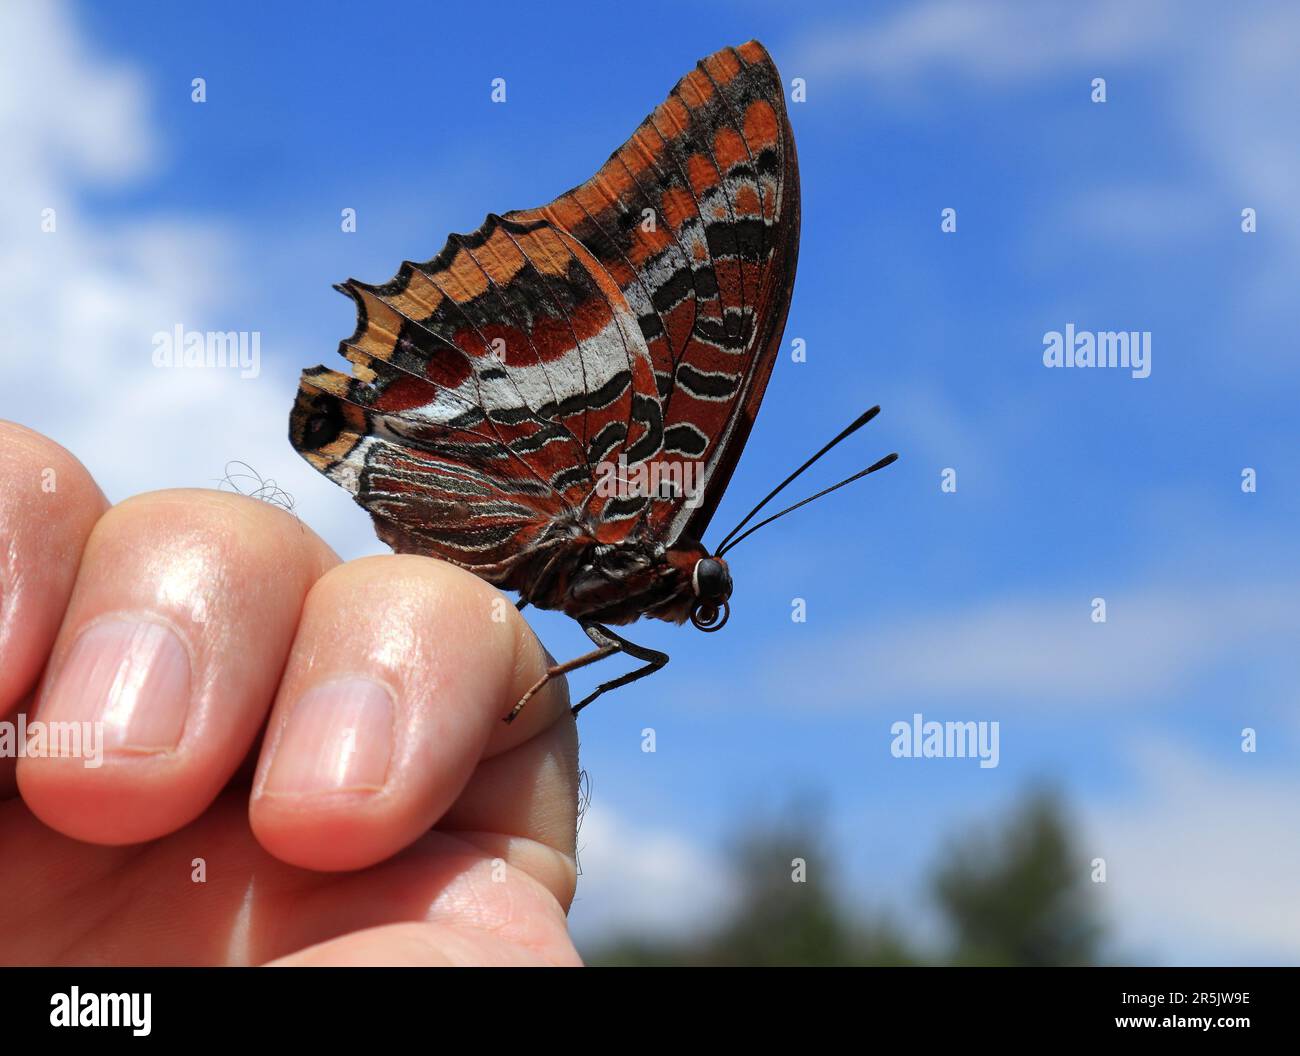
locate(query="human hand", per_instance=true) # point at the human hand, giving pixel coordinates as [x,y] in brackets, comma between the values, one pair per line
[271,717]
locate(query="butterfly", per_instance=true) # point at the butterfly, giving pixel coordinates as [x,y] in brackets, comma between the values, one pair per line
[557,400]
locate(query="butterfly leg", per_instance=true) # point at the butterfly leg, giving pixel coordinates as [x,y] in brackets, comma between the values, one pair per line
[608,643]
[556,670]
[603,636]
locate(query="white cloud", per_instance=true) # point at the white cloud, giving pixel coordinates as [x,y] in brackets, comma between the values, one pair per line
[62,108]
[81,304]
[1036,651]
[1143,216]
[992,41]
[1203,861]
[1225,78]
[644,881]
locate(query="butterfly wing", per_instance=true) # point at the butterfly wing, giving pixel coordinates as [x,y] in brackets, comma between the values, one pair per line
[634,319]
[696,219]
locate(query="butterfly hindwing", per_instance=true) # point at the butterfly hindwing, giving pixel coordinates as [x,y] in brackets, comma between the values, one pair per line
[487,385]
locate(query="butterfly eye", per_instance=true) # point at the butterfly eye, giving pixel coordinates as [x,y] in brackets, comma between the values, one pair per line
[711,580]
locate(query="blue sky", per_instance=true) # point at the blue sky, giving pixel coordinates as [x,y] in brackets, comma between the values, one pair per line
[974,605]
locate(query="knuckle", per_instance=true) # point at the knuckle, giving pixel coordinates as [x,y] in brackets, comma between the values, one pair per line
[32,465]
[207,527]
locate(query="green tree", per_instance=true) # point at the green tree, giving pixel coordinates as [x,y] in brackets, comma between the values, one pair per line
[1014,895]
[1020,896]
[788,912]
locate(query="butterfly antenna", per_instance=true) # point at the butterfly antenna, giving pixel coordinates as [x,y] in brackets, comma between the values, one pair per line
[811,498]
[844,434]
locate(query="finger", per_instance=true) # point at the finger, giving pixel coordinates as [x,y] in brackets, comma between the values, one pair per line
[399,677]
[168,657]
[441,901]
[521,806]
[427,945]
[48,506]
[239,905]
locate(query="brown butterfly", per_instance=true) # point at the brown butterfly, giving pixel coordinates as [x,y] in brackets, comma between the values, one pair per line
[557,400]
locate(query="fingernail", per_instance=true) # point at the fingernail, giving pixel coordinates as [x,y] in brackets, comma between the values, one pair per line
[339,737]
[132,676]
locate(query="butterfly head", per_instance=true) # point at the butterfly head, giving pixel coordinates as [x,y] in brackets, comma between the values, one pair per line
[620,583]
[711,582]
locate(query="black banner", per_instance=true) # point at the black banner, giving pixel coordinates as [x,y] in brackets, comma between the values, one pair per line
[1228,1005]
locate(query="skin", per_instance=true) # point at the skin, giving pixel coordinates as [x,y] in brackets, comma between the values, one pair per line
[457,847]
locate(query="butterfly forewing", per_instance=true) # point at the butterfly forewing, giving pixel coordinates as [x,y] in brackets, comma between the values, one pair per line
[696,217]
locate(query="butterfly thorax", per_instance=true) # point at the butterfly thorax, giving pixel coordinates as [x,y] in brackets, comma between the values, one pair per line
[619,582]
